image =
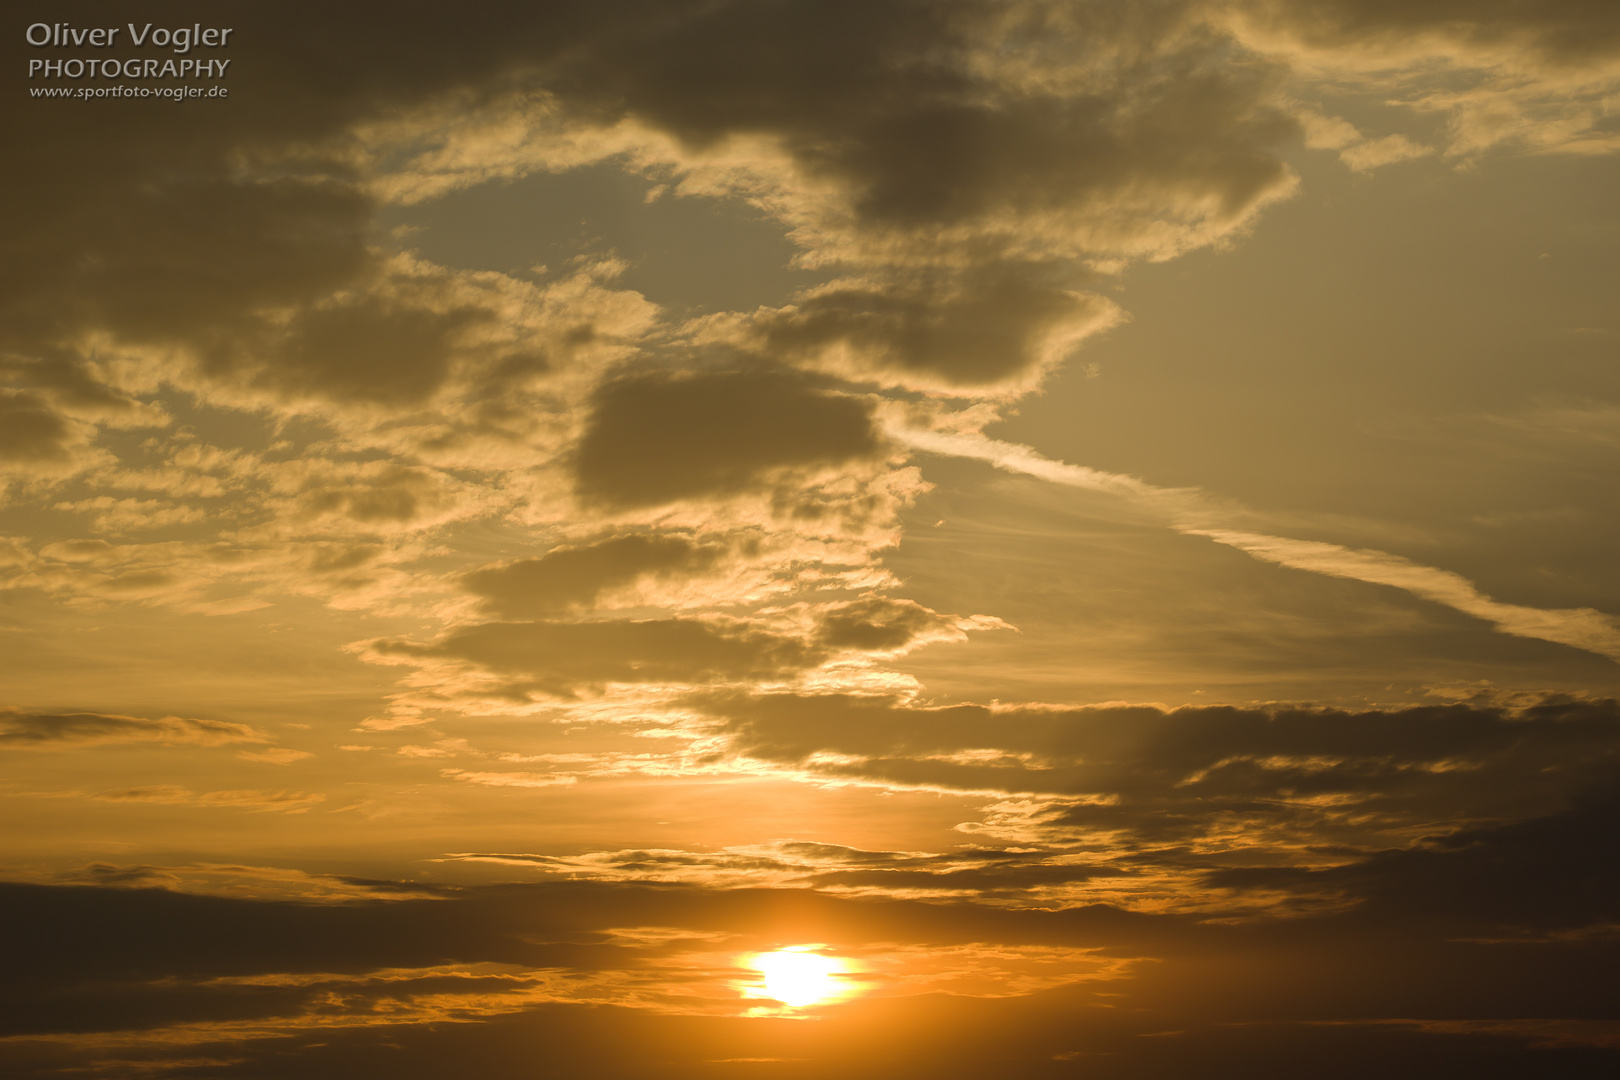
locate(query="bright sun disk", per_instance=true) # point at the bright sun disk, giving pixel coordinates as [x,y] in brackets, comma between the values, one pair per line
[797,977]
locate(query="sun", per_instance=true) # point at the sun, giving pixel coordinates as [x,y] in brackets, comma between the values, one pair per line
[797,976]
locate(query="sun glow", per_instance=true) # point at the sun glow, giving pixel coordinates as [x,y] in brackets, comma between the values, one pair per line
[797,976]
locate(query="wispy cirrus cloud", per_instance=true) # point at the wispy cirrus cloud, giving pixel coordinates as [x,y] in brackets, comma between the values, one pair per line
[1195,513]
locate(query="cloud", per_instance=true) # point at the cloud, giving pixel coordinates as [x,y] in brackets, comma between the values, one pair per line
[510,779]
[1190,511]
[20,728]
[372,497]
[32,431]
[497,665]
[119,516]
[1536,76]
[1571,32]
[950,174]
[925,143]
[565,659]
[279,755]
[1359,153]
[908,134]
[991,329]
[655,438]
[1276,778]
[571,577]
[1542,873]
[40,441]
[1007,875]
[882,624]
[1581,628]
[1385,151]
[958,989]
[286,802]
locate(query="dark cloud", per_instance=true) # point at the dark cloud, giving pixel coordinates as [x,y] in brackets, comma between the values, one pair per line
[655,438]
[574,576]
[879,623]
[986,328]
[1191,744]
[19,728]
[380,975]
[30,430]
[1556,872]
[1165,777]
[886,100]
[378,494]
[372,350]
[1007,874]
[935,134]
[69,381]
[564,658]
[1014,876]
[232,238]
[931,131]
[86,930]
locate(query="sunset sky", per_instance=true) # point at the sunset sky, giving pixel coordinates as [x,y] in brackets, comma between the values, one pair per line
[812,538]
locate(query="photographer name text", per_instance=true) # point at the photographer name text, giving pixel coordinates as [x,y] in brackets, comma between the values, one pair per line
[179,41]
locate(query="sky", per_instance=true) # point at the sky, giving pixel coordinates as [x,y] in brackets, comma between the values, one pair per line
[779,539]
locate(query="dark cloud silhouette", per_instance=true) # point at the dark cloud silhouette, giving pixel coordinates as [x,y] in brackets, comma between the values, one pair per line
[565,658]
[1154,777]
[378,494]
[878,98]
[372,350]
[30,430]
[1190,744]
[1403,1001]
[934,135]
[19,728]
[240,234]
[658,437]
[985,328]
[1001,873]
[1551,873]
[877,623]
[574,576]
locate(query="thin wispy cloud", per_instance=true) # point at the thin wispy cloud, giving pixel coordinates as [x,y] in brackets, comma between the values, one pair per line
[1190,511]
